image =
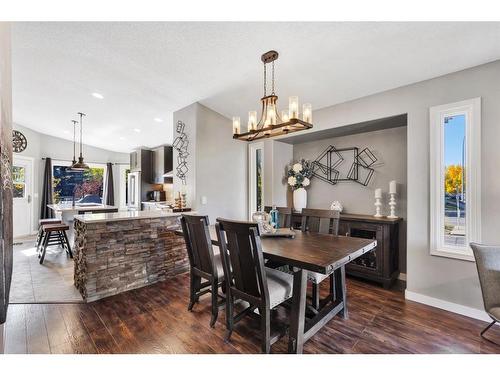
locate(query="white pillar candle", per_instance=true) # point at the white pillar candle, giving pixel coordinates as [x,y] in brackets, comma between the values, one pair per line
[378,193]
[392,187]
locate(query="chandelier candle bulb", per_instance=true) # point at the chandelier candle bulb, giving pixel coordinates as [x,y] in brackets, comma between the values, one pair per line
[307,112]
[252,120]
[236,125]
[293,107]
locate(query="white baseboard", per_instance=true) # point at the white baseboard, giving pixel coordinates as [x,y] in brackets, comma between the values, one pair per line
[448,306]
[402,276]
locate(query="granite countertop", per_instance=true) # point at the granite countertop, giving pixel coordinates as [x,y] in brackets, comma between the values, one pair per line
[86,207]
[124,215]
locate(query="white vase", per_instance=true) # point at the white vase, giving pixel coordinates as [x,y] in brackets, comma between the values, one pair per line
[299,199]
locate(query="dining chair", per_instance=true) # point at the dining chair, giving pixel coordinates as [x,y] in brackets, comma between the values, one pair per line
[488,269]
[247,278]
[284,216]
[204,263]
[325,222]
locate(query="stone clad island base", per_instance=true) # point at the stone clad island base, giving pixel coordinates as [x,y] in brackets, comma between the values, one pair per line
[123,251]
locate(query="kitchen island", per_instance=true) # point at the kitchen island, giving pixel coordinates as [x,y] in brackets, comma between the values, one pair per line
[116,252]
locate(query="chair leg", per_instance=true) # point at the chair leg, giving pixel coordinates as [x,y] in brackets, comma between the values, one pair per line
[215,308]
[265,324]
[487,328]
[229,315]
[68,246]
[193,282]
[315,296]
[39,237]
[44,247]
[39,245]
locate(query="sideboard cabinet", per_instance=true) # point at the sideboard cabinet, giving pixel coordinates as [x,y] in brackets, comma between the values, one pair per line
[380,265]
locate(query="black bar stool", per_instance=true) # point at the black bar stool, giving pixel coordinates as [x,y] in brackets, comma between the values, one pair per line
[39,236]
[54,234]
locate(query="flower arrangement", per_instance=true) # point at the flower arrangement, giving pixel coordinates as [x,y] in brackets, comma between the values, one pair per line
[299,174]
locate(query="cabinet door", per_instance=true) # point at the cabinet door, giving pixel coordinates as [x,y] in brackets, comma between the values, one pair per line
[373,261]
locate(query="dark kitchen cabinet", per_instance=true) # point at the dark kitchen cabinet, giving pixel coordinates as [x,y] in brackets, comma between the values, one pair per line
[141,160]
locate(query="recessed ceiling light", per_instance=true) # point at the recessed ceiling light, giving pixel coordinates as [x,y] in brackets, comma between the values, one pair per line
[122,138]
[66,132]
[97,95]
[137,130]
[157,119]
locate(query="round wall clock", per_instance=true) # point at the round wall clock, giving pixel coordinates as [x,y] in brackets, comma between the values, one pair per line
[19,142]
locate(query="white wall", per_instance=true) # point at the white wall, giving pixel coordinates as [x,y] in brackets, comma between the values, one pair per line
[217,164]
[446,279]
[42,145]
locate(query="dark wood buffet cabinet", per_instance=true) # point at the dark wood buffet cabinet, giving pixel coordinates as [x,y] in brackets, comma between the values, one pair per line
[380,265]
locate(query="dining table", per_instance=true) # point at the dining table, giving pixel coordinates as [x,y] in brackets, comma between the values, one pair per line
[312,252]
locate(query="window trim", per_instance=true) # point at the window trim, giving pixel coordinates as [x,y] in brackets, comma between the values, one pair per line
[472,110]
[65,163]
[252,150]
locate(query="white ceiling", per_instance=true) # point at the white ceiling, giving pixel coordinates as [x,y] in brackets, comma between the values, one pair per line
[149,70]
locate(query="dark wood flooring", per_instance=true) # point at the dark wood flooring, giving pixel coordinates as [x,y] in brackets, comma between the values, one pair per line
[155,320]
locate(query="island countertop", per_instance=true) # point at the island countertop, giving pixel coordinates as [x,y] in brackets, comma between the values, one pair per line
[125,215]
[81,208]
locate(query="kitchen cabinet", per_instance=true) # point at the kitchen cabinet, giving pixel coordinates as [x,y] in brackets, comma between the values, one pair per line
[141,160]
[162,164]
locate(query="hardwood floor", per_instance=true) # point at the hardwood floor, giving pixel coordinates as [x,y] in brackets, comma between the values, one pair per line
[155,320]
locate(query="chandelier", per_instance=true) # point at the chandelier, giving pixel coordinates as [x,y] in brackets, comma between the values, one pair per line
[271,124]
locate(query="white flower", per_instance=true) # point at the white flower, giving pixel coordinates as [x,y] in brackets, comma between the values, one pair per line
[306,182]
[292,181]
[297,167]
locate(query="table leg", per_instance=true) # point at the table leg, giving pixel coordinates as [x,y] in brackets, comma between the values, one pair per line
[297,318]
[340,289]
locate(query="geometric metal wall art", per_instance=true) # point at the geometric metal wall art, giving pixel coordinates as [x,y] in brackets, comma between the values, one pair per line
[181,144]
[331,165]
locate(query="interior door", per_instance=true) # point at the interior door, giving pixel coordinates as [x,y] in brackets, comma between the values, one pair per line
[22,177]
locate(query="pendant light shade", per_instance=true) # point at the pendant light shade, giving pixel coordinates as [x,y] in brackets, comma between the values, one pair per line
[73,161]
[80,165]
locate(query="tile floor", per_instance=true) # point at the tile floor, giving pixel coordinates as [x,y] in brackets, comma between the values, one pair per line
[49,282]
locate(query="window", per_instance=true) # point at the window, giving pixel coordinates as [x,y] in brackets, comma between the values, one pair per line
[86,186]
[455,154]
[256,177]
[19,182]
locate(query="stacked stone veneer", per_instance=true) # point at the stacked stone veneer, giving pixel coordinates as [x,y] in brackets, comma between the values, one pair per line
[112,257]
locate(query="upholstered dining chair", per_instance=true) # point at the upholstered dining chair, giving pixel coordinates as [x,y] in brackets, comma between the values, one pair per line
[204,263]
[326,222]
[247,278]
[488,269]
[284,216]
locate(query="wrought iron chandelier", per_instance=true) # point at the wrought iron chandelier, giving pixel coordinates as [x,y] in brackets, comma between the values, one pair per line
[271,124]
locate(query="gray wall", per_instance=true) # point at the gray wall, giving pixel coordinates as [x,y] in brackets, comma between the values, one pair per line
[442,278]
[217,164]
[42,145]
[277,156]
[389,146]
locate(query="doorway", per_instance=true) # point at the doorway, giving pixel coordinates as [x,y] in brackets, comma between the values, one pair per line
[22,196]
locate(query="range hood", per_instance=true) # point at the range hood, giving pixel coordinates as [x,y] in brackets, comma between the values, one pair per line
[163,164]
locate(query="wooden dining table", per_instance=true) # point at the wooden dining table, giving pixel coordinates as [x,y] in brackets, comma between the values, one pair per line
[321,253]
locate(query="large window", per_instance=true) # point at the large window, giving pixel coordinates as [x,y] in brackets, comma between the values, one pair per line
[455,178]
[256,177]
[85,186]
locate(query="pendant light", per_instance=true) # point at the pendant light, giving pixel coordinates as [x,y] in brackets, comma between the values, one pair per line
[80,166]
[73,162]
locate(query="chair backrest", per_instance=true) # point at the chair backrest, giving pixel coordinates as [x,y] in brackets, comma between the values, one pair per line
[198,243]
[242,259]
[284,217]
[488,268]
[320,221]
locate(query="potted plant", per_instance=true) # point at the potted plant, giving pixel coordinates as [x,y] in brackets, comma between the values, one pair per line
[298,177]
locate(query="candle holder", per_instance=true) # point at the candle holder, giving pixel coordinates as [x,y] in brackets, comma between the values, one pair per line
[378,204]
[392,204]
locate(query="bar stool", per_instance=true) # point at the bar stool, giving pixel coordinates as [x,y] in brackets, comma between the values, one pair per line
[54,234]
[39,236]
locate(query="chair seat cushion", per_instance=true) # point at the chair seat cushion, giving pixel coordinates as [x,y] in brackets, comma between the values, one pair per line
[494,312]
[280,285]
[315,277]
